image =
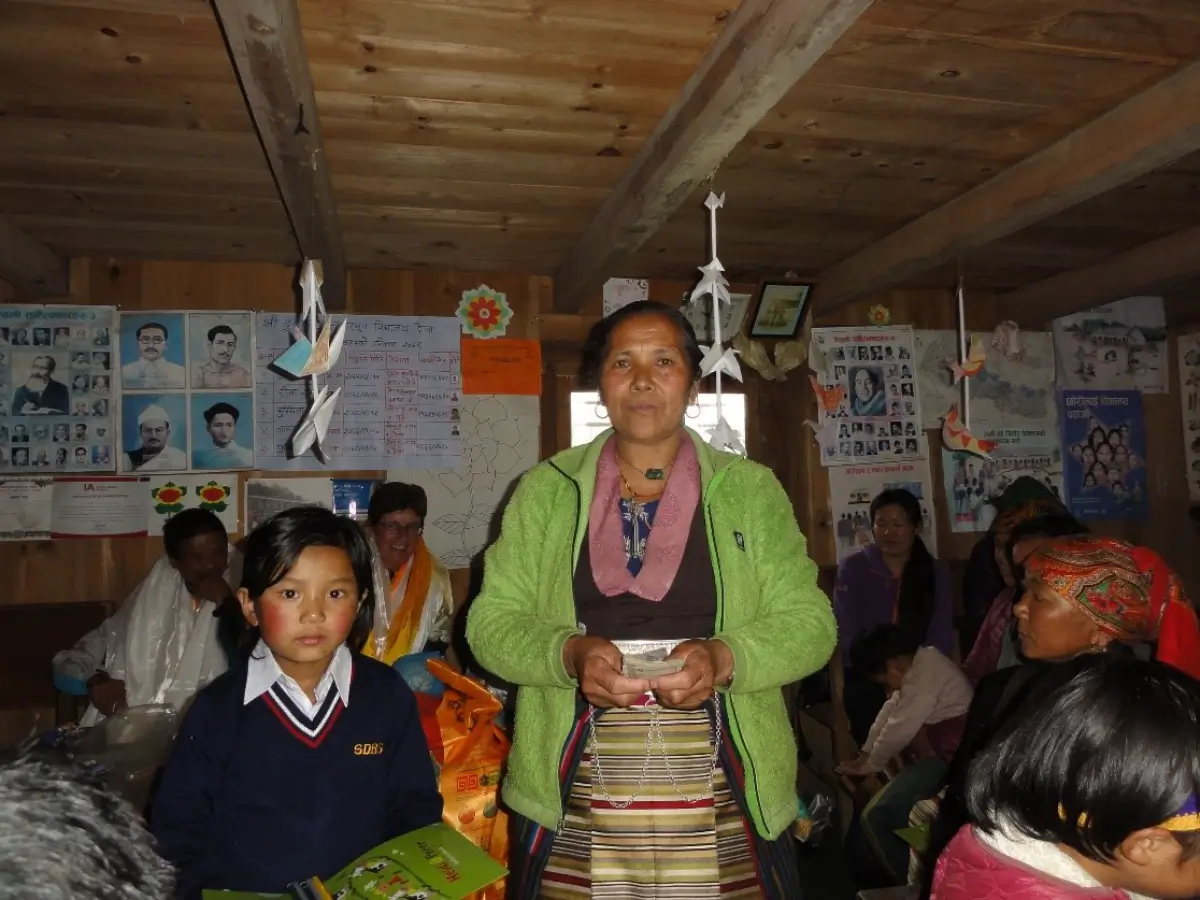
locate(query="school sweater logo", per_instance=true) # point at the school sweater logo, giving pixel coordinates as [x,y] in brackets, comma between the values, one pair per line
[372,749]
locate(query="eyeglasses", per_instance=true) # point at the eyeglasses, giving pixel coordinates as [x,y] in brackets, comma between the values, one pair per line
[395,529]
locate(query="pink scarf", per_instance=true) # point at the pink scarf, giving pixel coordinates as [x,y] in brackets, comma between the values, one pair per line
[668,536]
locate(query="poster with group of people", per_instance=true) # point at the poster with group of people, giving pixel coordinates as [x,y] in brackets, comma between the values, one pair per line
[1104,437]
[871,411]
[187,397]
[56,389]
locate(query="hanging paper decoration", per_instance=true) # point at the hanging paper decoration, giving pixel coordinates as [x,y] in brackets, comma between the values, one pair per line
[830,398]
[972,365]
[879,315]
[1006,337]
[484,313]
[717,359]
[788,355]
[957,436]
[311,357]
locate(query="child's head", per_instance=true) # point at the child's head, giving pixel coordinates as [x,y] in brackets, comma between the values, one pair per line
[306,584]
[1107,767]
[883,655]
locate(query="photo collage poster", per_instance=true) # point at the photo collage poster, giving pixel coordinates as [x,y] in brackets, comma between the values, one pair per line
[1104,441]
[56,389]
[870,409]
[1189,397]
[187,391]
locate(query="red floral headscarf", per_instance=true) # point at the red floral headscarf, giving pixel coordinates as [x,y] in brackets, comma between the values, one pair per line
[1128,591]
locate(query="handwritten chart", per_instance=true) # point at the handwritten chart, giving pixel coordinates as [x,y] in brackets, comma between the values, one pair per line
[401,396]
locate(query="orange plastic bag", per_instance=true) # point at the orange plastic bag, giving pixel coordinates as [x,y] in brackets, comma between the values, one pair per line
[473,751]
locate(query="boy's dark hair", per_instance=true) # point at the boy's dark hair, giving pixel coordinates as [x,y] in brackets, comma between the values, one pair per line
[599,339]
[189,524]
[63,834]
[274,546]
[872,650]
[1117,744]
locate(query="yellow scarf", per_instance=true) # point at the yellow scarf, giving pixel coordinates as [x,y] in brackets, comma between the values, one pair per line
[407,618]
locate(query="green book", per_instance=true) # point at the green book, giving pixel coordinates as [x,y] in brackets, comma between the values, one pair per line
[431,863]
[917,838]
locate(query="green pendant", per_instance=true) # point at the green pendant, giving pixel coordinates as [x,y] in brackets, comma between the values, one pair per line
[654,474]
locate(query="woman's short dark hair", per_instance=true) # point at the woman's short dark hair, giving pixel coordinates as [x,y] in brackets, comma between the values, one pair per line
[1116,745]
[273,548]
[599,339]
[872,650]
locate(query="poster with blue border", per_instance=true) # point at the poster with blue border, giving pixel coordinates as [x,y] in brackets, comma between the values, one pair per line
[1104,443]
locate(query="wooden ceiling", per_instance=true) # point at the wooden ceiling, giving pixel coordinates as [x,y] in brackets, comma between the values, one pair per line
[495,134]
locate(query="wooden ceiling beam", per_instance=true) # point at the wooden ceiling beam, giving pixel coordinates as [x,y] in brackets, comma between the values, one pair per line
[32,268]
[266,47]
[1156,264]
[1154,128]
[764,49]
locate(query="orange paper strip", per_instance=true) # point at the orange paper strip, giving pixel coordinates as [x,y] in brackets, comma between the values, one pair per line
[501,366]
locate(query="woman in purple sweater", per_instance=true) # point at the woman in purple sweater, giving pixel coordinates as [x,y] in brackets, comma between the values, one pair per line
[895,580]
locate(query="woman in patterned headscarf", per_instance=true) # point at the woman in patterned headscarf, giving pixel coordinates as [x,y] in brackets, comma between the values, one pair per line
[1083,594]
[1019,530]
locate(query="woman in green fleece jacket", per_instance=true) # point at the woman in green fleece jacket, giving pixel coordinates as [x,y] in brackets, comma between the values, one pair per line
[627,780]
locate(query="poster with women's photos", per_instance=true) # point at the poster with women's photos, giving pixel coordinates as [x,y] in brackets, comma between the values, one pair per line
[870,410]
[56,389]
[187,392]
[1104,440]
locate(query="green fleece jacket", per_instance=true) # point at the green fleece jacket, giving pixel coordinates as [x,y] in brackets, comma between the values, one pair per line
[770,613]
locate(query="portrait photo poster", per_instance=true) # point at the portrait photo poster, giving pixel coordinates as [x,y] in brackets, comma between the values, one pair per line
[1104,447]
[187,390]
[56,390]
[878,415]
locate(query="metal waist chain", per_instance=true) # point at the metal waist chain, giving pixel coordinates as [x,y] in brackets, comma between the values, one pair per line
[654,735]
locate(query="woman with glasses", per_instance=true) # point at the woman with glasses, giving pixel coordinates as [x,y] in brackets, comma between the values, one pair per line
[419,602]
[894,580]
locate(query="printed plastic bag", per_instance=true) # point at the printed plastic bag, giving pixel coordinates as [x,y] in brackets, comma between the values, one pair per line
[469,756]
[129,747]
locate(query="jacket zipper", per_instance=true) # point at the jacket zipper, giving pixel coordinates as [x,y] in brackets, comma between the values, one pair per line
[562,815]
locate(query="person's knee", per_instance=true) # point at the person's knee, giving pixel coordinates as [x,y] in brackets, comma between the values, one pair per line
[64,836]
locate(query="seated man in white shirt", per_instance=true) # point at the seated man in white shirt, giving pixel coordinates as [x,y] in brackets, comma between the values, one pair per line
[926,710]
[174,633]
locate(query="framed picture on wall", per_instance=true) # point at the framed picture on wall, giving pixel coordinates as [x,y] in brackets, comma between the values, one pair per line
[781,308]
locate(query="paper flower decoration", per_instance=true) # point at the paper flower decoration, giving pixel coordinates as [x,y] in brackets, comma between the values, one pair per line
[957,436]
[879,315]
[213,497]
[484,313]
[168,498]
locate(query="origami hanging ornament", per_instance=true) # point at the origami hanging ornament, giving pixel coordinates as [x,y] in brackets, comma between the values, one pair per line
[311,357]
[972,365]
[788,355]
[718,359]
[829,398]
[484,313]
[957,436]
[879,315]
[1006,337]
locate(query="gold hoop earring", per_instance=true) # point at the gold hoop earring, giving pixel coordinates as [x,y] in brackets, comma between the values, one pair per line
[687,412]
[600,411]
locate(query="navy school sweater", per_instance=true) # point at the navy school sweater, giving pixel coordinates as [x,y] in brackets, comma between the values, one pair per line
[255,797]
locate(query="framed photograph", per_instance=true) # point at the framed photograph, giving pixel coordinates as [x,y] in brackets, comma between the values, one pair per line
[781,308]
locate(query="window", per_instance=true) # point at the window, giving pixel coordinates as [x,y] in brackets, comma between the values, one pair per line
[585,426]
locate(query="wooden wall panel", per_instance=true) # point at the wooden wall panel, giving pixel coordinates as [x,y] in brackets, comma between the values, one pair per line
[107,570]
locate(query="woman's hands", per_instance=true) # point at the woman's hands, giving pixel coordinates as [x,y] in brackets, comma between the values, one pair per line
[706,664]
[596,664]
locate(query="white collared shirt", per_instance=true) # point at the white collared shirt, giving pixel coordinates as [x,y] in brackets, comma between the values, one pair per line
[264,673]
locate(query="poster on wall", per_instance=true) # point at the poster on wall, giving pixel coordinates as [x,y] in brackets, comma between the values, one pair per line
[852,488]
[972,483]
[166,496]
[401,383]
[187,398]
[868,403]
[1120,346]
[56,389]
[1104,442]
[1007,392]
[1189,398]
